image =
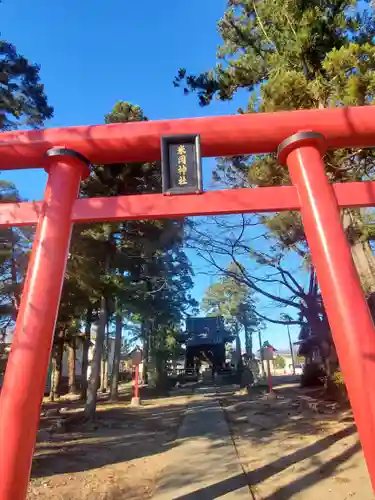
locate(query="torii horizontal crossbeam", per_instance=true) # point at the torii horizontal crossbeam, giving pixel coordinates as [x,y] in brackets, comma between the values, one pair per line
[220,136]
[157,206]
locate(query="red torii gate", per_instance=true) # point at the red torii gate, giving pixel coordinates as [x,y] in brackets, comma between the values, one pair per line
[300,137]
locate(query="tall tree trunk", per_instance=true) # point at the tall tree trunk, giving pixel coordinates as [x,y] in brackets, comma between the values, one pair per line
[248,340]
[159,370]
[145,334]
[291,351]
[104,364]
[93,384]
[116,358]
[85,353]
[16,290]
[262,371]
[102,370]
[320,329]
[58,351]
[72,366]
[238,348]
[362,254]
[146,323]
[105,372]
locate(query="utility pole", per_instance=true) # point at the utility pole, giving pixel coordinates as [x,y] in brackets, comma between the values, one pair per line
[291,351]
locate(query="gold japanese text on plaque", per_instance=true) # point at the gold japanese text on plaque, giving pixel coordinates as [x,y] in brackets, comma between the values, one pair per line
[182,165]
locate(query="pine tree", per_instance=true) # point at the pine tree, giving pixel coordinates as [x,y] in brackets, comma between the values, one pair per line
[297,55]
[15,246]
[22,103]
[22,97]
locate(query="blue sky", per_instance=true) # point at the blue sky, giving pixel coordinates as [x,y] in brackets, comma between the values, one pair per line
[94,53]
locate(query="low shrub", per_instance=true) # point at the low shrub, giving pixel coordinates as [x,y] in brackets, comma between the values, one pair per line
[338,378]
[336,387]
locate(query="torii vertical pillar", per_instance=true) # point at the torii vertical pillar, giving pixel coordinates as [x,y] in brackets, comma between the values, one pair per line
[26,373]
[348,314]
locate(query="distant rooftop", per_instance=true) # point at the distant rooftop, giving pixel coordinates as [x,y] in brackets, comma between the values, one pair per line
[205,330]
[283,352]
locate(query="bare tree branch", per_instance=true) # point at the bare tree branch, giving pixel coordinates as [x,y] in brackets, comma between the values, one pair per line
[246,281]
[279,321]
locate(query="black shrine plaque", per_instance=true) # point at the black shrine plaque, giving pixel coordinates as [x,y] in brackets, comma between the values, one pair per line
[181,164]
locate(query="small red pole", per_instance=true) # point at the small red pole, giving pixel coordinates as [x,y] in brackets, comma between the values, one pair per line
[349,316]
[269,375]
[25,377]
[136,381]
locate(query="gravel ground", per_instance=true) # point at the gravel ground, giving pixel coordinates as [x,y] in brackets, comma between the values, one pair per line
[120,456]
[296,446]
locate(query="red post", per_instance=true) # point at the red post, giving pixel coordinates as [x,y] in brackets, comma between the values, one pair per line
[25,377]
[269,375]
[349,317]
[136,381]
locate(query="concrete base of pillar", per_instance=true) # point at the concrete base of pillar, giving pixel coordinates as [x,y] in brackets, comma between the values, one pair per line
[135,402]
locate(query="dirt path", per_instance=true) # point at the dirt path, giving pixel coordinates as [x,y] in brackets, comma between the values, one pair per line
[204,464]
[119,457]
[291,448]
[294,447]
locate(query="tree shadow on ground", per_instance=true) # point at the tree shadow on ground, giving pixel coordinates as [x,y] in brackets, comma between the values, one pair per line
[296,438]
[119,433]
[235,483]
[292,411]
[271,424]
[123,433]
